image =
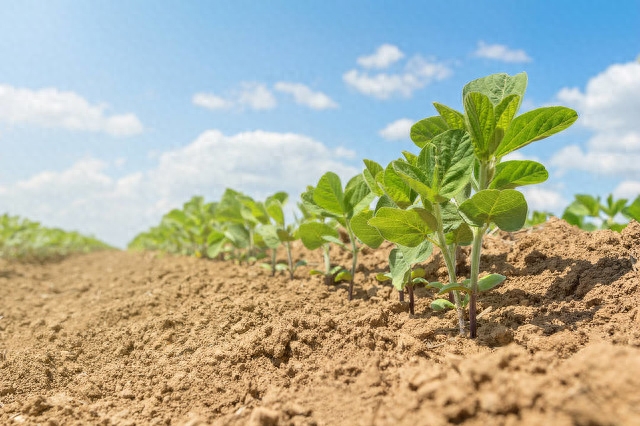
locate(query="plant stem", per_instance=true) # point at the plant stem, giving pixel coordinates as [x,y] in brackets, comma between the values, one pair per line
[412,302]
[449,256]
[401,295]
[328,278]
[478,233]
[273,262]
[289,259]
[354,264]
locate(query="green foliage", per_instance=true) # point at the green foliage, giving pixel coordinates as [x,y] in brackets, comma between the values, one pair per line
[24,239]
[589,213]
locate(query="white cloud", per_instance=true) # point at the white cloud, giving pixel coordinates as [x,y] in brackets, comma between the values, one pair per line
[254,96]
[383,57]
[629,189]
[86,196]
[54,108]
[500,52]
[544,200]
[210,101]
[418,73]
[399,129]
[305,96]
[609,107]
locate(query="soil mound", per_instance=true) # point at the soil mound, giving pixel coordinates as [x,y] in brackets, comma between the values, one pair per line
[120,338]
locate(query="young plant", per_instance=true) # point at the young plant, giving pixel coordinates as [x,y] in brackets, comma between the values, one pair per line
[402,274]
[349,207]
[585,209]
[466,149]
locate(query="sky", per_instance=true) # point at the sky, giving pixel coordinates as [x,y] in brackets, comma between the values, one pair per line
[114,112]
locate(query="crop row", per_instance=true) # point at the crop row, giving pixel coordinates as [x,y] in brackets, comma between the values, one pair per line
[449,194]
[24,239]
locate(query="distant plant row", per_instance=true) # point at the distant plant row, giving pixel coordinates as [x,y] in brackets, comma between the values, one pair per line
[591,213]
[24,239]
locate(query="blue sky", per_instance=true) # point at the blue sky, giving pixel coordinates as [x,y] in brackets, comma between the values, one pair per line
[114,112]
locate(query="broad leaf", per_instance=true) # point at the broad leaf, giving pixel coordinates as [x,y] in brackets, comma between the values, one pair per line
[632,211]
[274,208]
[343,276]
[481,122]
[454,160]
[490,281]
[462,235]
[498,86]
[425,130]
[400,269]
[365,232]
[417,180]
[441,305]
[404,227]
[535,125]
[369,173]
[514,173]
[357,195]
[285,236]
[506,208]
[504,113]
[396,188]
[329,194]
[312,234]
[453,118]
[269,234]
[417,254]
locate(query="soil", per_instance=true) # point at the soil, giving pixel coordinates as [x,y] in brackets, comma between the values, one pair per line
[122,338]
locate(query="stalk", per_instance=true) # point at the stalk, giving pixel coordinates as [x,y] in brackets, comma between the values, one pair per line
[289,259]
[412,303]
[354,264]
[328,278]
[401,295]
[273,262]
[476,249]
[449,257]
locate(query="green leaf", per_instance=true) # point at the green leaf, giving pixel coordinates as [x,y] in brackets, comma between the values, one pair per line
[396,188]
[274,209]
[329,194]
[481,122]
[417,254]
[632,211]
[343,276]
[400,269]
[498,86]
[417,180]
[385,201]
[237,234]
[315,272]
[424,130]
[410,157]
[453,287]
[357,195]
[312,234]
[418,273]
[453,118]
[506,208]
[514,173]
[490,281]
[280,267]
[369,174]
[382,277]
[365,232]
[441,305]
[285,236]
[419,280]
[454,161]
[270,236]
[535,125]
[404,227]
[462,235]
[504,113]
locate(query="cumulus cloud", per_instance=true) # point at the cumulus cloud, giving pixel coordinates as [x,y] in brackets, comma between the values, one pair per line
[608,107]
[62,109]
[303,95]
[87,197]
[629,189]
[544,200]
[255,96]
[383,57]
[417,73]
[210,101]
[500,52]
[399,129]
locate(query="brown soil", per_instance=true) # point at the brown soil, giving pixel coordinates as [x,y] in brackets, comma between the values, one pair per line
[140,338]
